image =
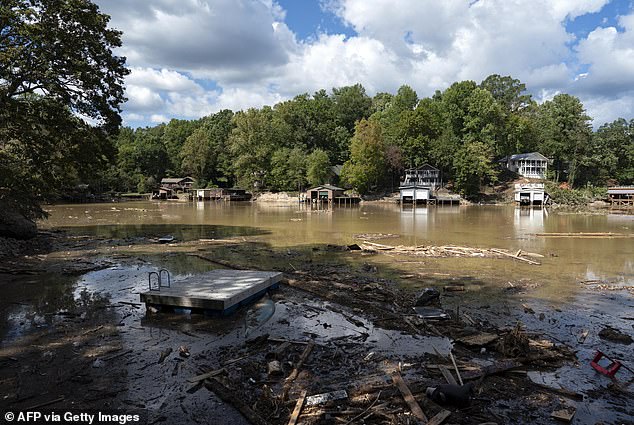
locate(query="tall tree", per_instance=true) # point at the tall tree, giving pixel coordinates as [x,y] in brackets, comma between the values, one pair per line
[351,105]
[56,65]
[566,134]
[507,91]
[366,165]
[318,167]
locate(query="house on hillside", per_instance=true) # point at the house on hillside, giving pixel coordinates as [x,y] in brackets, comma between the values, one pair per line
[531,165]
[530,194]
[177,183]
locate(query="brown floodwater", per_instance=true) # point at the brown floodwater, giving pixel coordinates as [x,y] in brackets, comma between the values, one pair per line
[567,260]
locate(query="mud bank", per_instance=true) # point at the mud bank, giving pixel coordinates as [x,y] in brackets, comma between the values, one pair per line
[74,334]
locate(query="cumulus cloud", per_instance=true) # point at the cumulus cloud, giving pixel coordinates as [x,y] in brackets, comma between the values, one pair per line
[251,57]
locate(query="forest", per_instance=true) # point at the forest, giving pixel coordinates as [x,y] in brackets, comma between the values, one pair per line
[462,130]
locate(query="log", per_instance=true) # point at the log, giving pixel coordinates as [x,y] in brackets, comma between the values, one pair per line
[298,366]
[409,398]
[499,251]
[298,408]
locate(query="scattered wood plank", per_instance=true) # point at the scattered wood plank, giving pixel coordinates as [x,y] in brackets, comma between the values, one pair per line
[565,415]
[453,360]
[207,375]
[298,366]
[448,376]
[439,418]
[408,397]
[298,408]
[561,391]
[499,251]
[477,340]
[225,394]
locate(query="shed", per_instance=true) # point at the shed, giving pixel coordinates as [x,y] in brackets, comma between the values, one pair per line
[530,194]
[621,195]
[325,192]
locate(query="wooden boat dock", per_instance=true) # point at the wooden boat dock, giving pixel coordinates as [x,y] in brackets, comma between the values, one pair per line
[219,291]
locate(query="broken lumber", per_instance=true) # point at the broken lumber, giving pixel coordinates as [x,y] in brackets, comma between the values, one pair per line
[206,375]
[499,251]
[298,408]
[298,366]
[408,397]
[439,418]
[565,415]
[225,394]
[453,360]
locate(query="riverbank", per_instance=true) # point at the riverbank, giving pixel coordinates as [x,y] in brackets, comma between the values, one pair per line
[354,307]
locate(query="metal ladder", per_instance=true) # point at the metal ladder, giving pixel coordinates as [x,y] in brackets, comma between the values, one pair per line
[159,280]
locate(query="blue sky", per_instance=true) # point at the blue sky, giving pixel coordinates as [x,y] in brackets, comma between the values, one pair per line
[190,58]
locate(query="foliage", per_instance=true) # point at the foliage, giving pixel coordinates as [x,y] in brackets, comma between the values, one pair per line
[366,165]
[474,167]
[318,168]
[56,65]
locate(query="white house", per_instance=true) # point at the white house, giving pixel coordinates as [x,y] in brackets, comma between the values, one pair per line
[532,165]
[419,183]
[530,194]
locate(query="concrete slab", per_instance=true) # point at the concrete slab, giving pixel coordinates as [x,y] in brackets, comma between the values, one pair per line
[219,290]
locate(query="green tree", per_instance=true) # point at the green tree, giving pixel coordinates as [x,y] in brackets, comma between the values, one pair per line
[474,167]
[56,65]
[367,164]
[288,169]
[508,92]
[351,104]
[318,167]
[566,134]
[257,134]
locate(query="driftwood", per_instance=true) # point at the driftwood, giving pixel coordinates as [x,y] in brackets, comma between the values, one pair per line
[586,235]
[453,360]
[225,394]
[206,375]
[409,398]
[448,251]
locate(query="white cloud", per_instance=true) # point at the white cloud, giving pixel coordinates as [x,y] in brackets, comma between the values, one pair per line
[252,57]
[158,118]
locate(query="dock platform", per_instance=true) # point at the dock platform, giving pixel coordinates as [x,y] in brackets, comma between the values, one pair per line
[217,291]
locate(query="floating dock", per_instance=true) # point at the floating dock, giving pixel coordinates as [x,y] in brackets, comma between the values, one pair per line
[219,291]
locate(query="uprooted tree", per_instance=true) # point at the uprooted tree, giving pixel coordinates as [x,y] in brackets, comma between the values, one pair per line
[60,91]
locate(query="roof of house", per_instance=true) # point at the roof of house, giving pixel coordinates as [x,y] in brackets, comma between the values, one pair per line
[526,156]
[422,167]
[325,186]
[172,180]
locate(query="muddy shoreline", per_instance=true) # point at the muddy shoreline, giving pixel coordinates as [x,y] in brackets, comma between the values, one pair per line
[96,347]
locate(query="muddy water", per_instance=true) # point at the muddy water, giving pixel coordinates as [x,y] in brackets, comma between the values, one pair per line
[567,261]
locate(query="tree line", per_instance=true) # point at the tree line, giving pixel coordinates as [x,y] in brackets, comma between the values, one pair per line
[463,130]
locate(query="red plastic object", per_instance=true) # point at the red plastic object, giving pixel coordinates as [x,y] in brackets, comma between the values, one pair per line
[612,368]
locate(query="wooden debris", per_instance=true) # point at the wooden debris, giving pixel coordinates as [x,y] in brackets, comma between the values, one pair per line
[501,366]
[527,309]
[298,366]
[453,288]
[298,408]
[477,340]
[207,375]
[565,415]
[586,235]
[408,397]
[439,418]
[561,391]
[448,251]
[225,394]
[448,376]
[453,360]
